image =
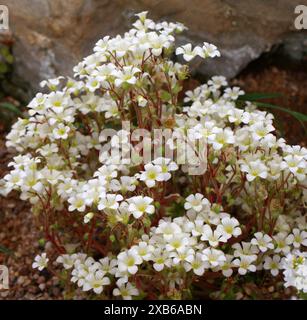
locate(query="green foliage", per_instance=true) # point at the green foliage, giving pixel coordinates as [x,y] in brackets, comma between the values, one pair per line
[8,110]
[254,97]
[259,96]
[7,106]
[5,250]
[6,60]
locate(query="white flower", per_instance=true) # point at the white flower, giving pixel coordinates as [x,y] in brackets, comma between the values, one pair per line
[32,181]
[187,51]
[126,291]
[196,202]
[82,267]
[300,238]
[88,217]
[213,256]
[210,50]
[110,201]
[66,187]
[245,249]
[261,130]
[151,174]
[144,250]
[128,261]
[182,255]
[296,165]
[103,72]
[108,265]
[245,264]
[106,173]
[161,259]
[157,43]
[14,178]
[77,202]
[263,241]
[272,264]
[166,166]
[121,46]
[295,270]
[217,82]
[51,83]
[125,184]
[282,242]
[255,169]
[92,84]
[227,266]
[122,278]
[195,227]
[178,242]
[48,149]
[40,262]
[37,105]
[61,131]
[196,263]
[67,260]
[228,228]
[233,93]
[221,137]
[57,101]
[168,229]
[96,281]
[126,75]
[208,235]
[297,151]
[102,45]
[139,205]
[142,102]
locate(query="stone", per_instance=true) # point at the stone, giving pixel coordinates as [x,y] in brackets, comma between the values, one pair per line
[53,35]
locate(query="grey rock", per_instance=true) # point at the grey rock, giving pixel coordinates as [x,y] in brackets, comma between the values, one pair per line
[53,35]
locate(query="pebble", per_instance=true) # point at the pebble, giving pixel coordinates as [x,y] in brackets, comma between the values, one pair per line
[41,280]
[42,286]
[21,280]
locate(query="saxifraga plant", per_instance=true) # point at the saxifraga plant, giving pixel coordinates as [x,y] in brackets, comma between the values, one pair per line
[124,227]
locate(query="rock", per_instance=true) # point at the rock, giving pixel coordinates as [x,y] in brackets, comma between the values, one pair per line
[42,286]
[293,50]
[41,280]
[4,294]
[53,35]
[56,291]
[21,280]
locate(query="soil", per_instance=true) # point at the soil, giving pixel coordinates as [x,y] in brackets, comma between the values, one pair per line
[19,235]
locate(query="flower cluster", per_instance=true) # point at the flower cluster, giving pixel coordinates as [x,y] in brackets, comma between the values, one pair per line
[194,244]
[295,270]
[119,226]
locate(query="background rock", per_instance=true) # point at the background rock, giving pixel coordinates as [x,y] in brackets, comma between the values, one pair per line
[53,35]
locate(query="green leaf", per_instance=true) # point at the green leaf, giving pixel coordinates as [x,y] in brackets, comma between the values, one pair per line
[9,59]
[6,54]
[165,96]
[177,88]
[5,250]
[303,295]
[3,67]
[299,116]
[258,96]
[10,107]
